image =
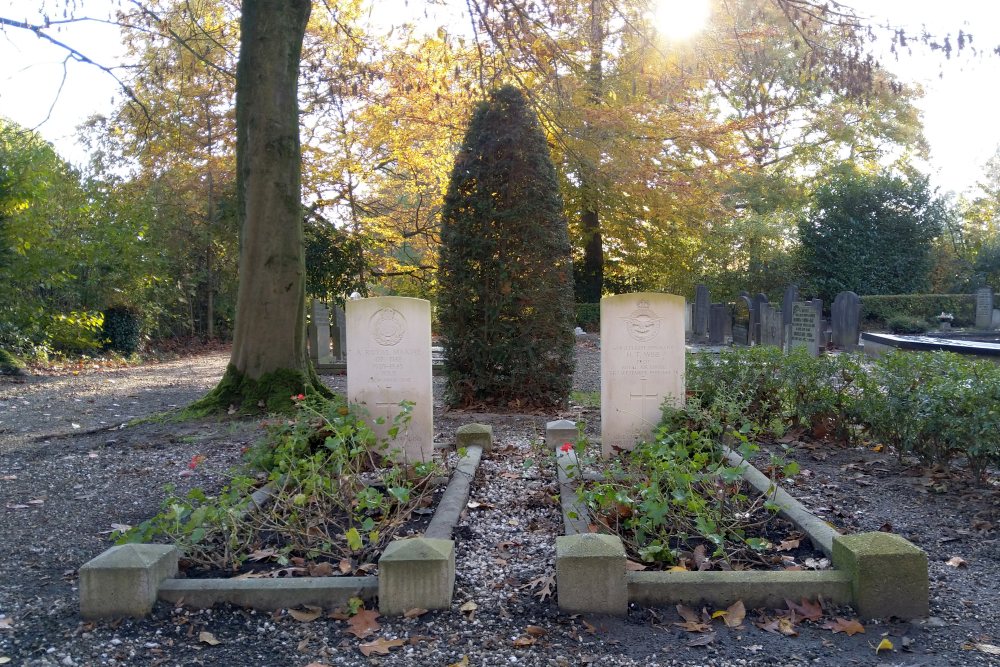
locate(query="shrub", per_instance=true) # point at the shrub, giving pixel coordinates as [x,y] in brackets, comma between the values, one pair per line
[122,329]
[9,364]
[741,385]
[878,310]
[905,324]
[588,316]
[75,333]
[506,289]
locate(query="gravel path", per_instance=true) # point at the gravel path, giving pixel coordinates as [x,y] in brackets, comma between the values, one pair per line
[63,486]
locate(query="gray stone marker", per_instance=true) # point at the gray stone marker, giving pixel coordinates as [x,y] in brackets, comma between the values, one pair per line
[124,580]
[642,365]
[770,325]
[845,320]
[702,305]
[416,573]
[741,320]
[718,316]
[790,297]
[389,361]
[338,334]
[590,574]
[984,308]
[755,317]
[319,334]
[688,320]
[805,327]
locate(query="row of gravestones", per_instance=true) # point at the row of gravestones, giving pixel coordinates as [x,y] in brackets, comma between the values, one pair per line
[754,321]
[389,361]
[987,317]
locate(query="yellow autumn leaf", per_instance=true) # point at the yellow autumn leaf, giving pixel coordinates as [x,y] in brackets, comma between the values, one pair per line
[884,645]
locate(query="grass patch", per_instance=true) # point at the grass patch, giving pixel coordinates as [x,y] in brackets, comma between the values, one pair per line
[586,399]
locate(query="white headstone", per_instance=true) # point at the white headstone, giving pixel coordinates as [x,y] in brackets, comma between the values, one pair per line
[642,364]
[389,361]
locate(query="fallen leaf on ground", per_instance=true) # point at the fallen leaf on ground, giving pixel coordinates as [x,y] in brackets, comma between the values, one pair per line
[208,638]
[544,584]
[116,528]
[811,611]
[632,566]
[36,501]
[8,478]
[700,560]
[317,664]
[688,614]
[735,614]
[345,566]
[6,623]
[820,564]
[380,646]
[778,626]
[469,609]
[523,642]
[694,626]
[464,662]
[956,561]
[414,613]
[535,630]
[988,649]
[477,505]
[308,614]
[702,640]
[884,645]
[363,623]
[4,660]
[320,569]
[851,627]
[18,507]
[788,545]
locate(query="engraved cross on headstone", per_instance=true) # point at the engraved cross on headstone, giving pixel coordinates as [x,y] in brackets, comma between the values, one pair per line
[644,395]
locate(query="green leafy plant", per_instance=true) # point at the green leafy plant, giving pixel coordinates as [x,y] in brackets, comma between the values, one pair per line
[122,329]
[336,495]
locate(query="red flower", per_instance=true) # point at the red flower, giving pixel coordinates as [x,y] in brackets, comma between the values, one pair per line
[195,460]
[566,447]
[299,397]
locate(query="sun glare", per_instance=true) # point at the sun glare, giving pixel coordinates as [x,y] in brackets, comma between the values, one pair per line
[680,19]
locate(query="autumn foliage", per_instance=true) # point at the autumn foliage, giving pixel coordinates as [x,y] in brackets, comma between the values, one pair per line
[506,292]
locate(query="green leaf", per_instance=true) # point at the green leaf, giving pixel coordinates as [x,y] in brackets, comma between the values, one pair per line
[354,540]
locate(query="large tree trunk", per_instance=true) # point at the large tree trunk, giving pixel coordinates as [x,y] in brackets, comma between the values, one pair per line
[590,276]
[269,363]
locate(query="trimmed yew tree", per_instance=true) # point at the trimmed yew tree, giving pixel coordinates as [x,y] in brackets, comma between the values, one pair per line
[505,300]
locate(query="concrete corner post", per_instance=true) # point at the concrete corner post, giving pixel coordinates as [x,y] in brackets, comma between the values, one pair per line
[474,434]
[416,573]
[559,432]
[889,574]
[590,574]
[124,580]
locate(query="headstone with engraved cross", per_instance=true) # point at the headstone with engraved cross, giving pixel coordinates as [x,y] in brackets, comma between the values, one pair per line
[389,361]
[642,365]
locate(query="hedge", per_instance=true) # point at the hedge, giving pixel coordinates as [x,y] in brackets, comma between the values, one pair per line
[588,316]
[878,310]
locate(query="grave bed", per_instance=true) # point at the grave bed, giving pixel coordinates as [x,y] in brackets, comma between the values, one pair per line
[126,580]
[880,574]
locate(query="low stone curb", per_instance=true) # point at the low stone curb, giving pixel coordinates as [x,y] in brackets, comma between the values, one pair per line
[126,580]
[880,574]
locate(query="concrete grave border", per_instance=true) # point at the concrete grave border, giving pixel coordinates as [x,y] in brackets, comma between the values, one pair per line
[126,580]
[880,574]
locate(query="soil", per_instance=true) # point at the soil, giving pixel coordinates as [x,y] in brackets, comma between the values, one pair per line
[69,472]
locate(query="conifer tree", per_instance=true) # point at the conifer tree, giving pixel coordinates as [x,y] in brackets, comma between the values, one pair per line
[506,288]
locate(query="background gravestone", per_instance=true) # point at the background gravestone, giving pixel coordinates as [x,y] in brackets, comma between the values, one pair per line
[755,317]
[770,325]
[319,334]
[984,308]
[790,297]
[845,320]
[642,365]
[388,361]
[741,320]
[702,304]
[338,334]
[718,315]
[805,327]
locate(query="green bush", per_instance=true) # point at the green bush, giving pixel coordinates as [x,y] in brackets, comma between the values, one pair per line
[505,301]
[122,329]
[741,386]
[337,496]
[906,324]
[878,310]
[588,316]
[75,333]
[9,364]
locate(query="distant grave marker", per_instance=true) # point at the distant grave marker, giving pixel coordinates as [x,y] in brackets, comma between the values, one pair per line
[984,308]
[805,327]
[845,320]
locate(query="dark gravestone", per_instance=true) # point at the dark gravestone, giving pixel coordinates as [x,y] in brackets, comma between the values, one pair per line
[770,325]
[718,316]
[338,334]
[805,327]
[790,297]
[702,303]
[984,308]
[845,320]
[741,320]
[755,317]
